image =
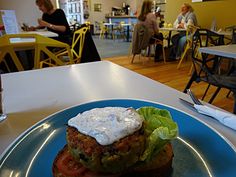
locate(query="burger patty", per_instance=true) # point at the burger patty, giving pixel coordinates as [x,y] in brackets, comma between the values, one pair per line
[113,158]
[64,165]
[160,165]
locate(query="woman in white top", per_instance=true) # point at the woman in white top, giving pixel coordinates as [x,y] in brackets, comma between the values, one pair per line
[185,18]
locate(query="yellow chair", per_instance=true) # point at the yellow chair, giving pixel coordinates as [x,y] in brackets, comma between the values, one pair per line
[40,44]
[8,47]
[78,39]
[103,30]
[189,33]
[88,23]
[77,45]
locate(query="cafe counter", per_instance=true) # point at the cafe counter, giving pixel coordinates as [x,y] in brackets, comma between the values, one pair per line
[123,18]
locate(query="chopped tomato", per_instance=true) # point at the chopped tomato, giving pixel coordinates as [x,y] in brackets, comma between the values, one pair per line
[68,166]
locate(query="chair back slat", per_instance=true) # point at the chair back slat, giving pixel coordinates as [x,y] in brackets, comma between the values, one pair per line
[205,64]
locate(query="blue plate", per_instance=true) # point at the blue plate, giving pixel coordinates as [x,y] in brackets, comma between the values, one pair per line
[199,150]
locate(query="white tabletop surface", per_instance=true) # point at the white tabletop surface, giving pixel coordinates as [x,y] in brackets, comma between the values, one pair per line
[24,40]
[172,29]
[108,24]
[228,51]
[30,96]
[43,33]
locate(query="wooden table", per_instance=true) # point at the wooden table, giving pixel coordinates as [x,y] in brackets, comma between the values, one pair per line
[30,96]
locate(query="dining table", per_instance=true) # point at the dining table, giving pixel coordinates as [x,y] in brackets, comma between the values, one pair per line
[128,27]
[169,31]
[28,97]
[44,33]
[228,51]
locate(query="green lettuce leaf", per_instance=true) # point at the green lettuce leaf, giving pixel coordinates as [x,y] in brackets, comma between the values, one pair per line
[159,129]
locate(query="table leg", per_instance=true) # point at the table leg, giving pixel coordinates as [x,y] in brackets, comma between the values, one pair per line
[127,36]
[169,38]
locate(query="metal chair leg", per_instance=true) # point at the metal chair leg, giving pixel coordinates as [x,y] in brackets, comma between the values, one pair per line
[206,91]
[191,80]
[214,95]
[227,96]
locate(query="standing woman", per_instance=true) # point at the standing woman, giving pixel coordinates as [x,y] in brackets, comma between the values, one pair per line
[149,19]
[54,20]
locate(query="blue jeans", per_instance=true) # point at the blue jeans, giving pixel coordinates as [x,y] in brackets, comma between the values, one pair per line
[178,41]
[180,46]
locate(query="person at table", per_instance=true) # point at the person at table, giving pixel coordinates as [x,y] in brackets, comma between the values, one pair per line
[185,18]
[54,20]
[149,19]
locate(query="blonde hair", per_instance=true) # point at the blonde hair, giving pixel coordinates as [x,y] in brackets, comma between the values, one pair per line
[47,4]
[190,8]
[146,8]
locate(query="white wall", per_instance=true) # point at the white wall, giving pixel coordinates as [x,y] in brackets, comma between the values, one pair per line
[26,10]
[106,8]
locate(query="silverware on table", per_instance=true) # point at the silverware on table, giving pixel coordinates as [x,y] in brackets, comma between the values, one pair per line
[187,102]
[225,118]
[193,97]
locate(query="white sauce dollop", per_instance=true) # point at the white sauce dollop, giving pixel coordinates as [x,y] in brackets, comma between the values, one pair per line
[108,124]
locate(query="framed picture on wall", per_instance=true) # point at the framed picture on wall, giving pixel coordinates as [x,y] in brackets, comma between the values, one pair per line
[97,7]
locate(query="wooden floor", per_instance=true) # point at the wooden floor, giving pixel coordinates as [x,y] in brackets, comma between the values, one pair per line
[168,74]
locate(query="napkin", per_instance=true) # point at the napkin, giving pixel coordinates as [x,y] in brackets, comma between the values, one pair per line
[225,118]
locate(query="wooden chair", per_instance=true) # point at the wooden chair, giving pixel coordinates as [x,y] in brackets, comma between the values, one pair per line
[157,42]
[140,42]
[189,34]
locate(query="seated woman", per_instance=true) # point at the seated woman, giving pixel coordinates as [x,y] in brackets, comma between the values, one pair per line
[149,19]
[185,18]
[54,20]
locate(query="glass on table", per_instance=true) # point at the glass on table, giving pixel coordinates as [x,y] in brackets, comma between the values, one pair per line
[3,116]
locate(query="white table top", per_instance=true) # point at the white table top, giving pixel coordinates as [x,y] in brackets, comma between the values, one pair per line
[172,29]
[30,96]
[228,51]
[43,33]
[24,40]
[108,24]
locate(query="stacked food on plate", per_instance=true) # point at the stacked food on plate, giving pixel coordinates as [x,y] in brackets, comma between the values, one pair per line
[117,141]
